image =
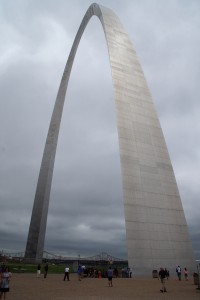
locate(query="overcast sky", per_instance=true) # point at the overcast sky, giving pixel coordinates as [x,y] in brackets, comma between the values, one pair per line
[86,206]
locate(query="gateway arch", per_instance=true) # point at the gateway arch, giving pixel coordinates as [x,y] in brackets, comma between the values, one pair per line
[156,229]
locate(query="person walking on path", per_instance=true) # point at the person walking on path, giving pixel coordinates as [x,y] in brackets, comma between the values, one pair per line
[162,275]
[66,273]
[46,268]
[110,277]
[178,271]
[5,276]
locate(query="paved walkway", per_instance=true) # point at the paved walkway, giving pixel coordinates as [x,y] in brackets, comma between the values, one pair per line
[28,287]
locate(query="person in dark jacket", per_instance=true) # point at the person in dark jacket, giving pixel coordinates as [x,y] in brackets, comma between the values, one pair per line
[46,268]
[162,276]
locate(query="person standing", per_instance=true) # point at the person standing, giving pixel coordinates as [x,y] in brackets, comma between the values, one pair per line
[110,277]
[46,268]
[99,274]
[167,273]
[162,275]
[178,271]
[5,276]
[130,273]
[38,270]
[186,274]
[79,271]
[66,273]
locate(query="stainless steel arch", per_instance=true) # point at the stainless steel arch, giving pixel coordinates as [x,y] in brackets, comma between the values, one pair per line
[156,228]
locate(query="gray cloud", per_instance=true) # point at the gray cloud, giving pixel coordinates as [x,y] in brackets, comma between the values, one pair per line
[86,207]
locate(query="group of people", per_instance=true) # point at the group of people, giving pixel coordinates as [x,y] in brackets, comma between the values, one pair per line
[178,271]
[164,274]
[109,274]
[46,268]
[80,271]
[5,277]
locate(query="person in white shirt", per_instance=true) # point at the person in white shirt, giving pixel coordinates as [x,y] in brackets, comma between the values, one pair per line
[66,273]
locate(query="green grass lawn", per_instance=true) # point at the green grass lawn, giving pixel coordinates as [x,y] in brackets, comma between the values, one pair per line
[32,268]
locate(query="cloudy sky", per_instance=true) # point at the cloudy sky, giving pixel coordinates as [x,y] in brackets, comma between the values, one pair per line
[86,209]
